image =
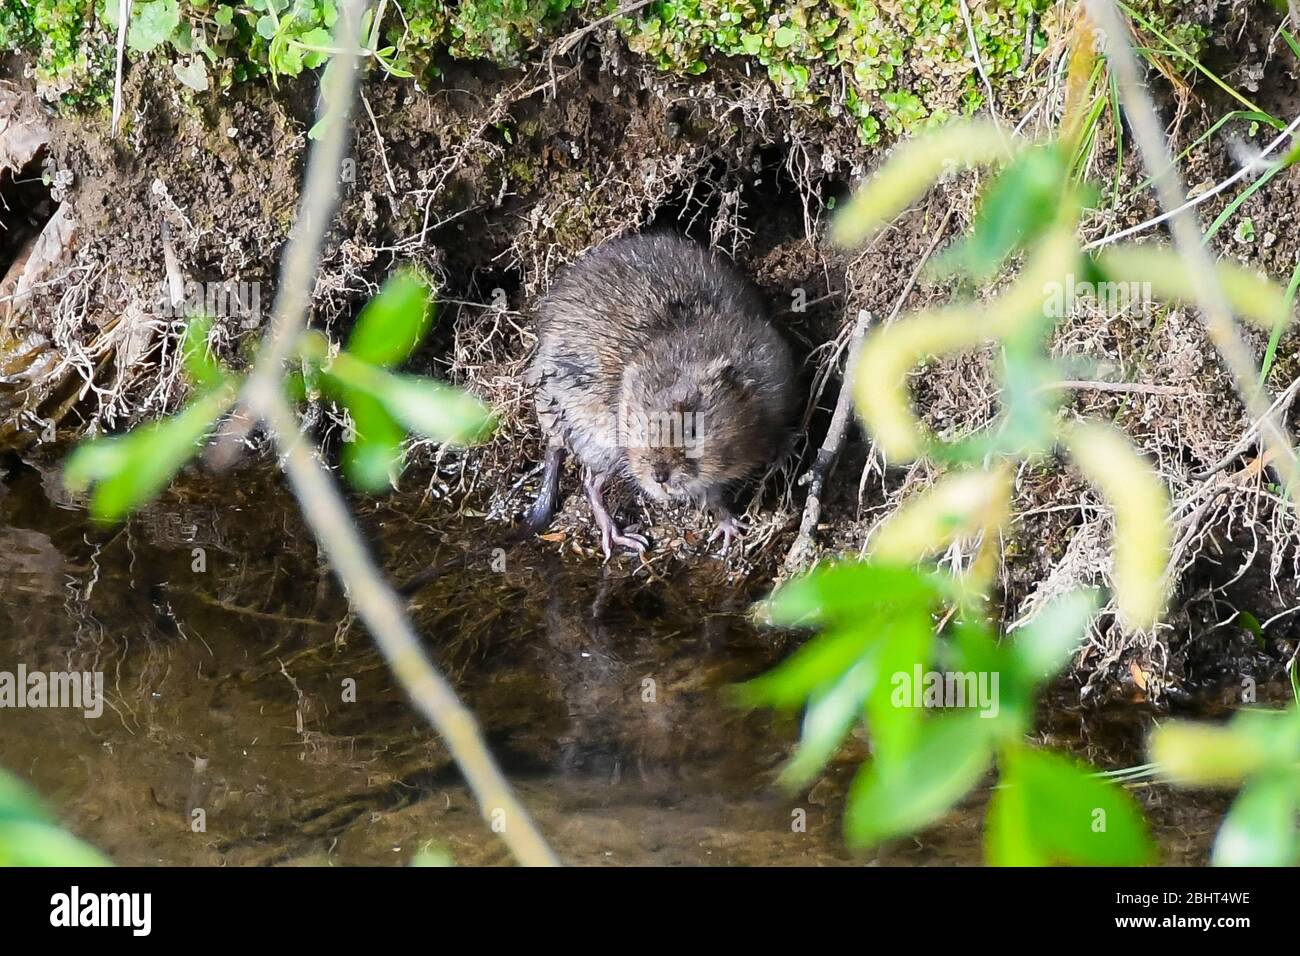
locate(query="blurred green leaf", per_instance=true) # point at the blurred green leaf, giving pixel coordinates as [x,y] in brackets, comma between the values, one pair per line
[26,843]
[437,411]
[888,799]
[905,649]
[1019,205]
[1029,425]
[1160,269]
[1260,829]
[830,714]
[29,838]
[910,170]
[958,504]
[372,459]
[128,470]
[1050,810]
[842,591]
[432,856]
[393,323]
[819,663]
[201,366]
[18,801]
[422,405]
[1043,646]
[1143,533]
[1208,755]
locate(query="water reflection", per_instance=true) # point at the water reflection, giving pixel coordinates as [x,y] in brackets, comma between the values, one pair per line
[249,721]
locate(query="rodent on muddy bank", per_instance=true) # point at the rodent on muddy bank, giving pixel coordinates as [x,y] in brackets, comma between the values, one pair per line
[656,360]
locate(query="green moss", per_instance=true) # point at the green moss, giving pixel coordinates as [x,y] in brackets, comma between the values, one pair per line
[497,30]
[61,34]
[890,65]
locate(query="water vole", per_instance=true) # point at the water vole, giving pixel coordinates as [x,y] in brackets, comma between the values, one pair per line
[656,361]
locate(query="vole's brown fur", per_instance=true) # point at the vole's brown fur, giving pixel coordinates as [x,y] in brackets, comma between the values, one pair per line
[656,360]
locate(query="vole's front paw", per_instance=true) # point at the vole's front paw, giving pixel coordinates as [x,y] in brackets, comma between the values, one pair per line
[729,529]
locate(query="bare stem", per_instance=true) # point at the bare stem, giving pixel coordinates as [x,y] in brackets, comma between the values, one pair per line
[323,507]
[1186,231]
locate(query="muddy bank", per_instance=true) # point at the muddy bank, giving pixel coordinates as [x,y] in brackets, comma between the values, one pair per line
[495,178]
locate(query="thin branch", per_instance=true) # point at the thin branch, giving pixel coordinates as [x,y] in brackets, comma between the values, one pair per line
[123,18]
[827,455]
[1186,231]
[979,64]
[324,509]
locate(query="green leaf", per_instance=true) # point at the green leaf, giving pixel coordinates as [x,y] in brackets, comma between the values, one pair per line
[18,801]
[266,26]
[152,24]
[372,460]
[910,170]
[1049,809]
[201,367]
[393,323]
[1260,829]
[830,714]
[29,838]
[844,591]
[902,653]
[891,798]
[422,405]
[223,16]
[819,663]
[320,37]
[437,411]
[1045,644]
[194,75]
[1020,204]
[1208,755]
[25,843]
[128,470]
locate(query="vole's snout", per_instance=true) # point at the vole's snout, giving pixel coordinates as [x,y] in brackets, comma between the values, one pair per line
[660,472]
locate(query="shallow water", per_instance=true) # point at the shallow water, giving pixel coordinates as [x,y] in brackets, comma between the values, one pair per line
[228,656]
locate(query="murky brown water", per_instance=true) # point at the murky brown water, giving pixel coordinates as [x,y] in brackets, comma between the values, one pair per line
[228,668]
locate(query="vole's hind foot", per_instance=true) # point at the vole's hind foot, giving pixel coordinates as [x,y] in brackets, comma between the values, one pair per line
[610,533]
[610,536]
